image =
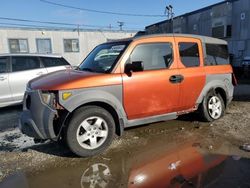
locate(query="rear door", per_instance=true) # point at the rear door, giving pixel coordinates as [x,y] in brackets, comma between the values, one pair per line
[54,64]
[5,92]
[24,68]
[191,67]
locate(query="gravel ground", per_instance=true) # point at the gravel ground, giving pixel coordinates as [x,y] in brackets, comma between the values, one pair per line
[225,136]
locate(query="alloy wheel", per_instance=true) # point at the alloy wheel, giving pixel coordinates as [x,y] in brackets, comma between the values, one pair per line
[92,132]
[215,107]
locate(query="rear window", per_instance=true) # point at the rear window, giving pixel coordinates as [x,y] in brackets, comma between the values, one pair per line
[53,62]
[217,54]
[24,63]
[3,64]
[189,53]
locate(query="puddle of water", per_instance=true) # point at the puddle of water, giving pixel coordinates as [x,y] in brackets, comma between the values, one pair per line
[173,164]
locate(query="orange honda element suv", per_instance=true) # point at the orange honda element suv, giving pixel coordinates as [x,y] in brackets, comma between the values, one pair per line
[127,83]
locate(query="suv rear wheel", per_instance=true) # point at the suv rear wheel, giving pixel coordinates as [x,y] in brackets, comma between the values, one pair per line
[212,107]
[90,131]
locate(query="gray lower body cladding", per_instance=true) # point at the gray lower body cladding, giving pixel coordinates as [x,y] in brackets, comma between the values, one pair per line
[37,118]
[214,81]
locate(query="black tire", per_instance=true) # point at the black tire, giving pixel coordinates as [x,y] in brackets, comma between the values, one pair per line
[78,117]
[204,109]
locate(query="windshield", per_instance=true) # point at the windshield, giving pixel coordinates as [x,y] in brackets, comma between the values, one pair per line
[104,57]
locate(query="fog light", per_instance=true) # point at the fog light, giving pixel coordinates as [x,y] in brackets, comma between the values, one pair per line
[66,95]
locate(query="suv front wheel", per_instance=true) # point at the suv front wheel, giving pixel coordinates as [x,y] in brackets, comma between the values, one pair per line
[90,131]
[212,107]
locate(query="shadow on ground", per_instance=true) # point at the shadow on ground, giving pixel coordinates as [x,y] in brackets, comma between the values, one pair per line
[52,148]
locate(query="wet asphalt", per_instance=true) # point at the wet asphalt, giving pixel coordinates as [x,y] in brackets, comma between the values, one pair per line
[9,117]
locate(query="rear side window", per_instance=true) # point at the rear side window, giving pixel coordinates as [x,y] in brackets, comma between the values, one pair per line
[189,53]
[3,64]
[154,56]
[25,63]
[53,62]
[217,54]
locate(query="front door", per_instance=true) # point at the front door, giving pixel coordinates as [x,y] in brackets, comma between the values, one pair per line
[5,92]
[150,92]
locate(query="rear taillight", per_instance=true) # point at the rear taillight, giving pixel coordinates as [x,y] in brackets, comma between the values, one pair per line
[234,80]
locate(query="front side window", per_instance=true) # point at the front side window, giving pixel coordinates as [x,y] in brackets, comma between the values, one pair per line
[18,45]
[53,62]
[71,45]
[44,46]
[217,54]
[104,57]
[25,63]
[3,64]
[153,56]
[189,54]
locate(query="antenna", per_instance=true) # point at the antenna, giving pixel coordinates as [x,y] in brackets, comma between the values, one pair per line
[120,24]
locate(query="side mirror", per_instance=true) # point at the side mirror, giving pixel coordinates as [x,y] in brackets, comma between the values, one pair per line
[135,66]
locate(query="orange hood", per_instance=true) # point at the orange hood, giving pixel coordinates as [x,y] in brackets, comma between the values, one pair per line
[73,79]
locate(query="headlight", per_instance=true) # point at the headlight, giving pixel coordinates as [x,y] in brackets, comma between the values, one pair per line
[48,98]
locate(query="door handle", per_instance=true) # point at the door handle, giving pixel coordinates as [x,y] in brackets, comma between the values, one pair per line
[176,79]
[2,78]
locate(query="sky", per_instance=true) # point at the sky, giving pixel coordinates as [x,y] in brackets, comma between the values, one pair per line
[42,11]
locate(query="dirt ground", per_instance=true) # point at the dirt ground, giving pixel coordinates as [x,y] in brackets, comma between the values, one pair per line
[26,164]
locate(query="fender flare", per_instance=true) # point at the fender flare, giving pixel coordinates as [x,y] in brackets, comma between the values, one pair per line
[90,96]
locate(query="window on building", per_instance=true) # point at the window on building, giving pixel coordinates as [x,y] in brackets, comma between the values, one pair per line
[18,45]
[3,64]
[229,30]
[24,63]
[217,54]
[53,62]
[154,56]
[218,31]
[189,53]
[71,45]
[43,46]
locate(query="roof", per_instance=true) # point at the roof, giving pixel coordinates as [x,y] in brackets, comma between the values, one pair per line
[204,39]
[193,12]
[31,54]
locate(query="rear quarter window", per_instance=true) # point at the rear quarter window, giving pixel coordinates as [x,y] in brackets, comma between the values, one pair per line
[53,62]
[217,54]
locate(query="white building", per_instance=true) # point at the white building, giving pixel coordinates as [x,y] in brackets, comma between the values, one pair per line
[73,45]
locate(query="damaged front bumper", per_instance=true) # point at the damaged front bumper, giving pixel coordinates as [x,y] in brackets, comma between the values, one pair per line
[37,118]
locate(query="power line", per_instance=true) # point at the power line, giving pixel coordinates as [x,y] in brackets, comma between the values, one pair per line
[48,22]
[57,23]
[101,12]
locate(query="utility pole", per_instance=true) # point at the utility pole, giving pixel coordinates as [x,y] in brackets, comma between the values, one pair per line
[169,11]
[120,24]
[78,29]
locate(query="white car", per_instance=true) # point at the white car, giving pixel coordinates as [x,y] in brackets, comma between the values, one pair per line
[17,69]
